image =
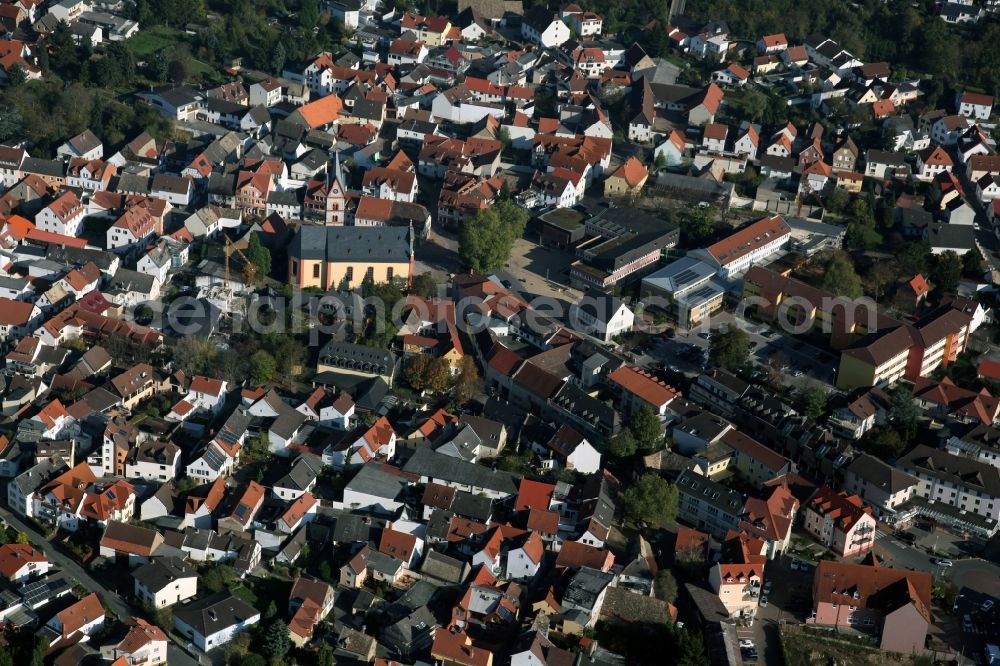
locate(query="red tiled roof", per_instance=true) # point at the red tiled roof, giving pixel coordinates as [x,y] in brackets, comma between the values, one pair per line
[644,385]
[844,509]
[872,586]
[13,556]
[534,495]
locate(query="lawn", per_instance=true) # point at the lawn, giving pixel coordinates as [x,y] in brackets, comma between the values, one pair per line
[147,42]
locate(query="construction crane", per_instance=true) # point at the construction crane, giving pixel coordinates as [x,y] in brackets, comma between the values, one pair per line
[249,270]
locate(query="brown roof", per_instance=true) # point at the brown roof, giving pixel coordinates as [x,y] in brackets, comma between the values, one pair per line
[140,635]
[132,539]
[632,172]
[755,450]
[844,509]
[83,612]
[573,555]
[872,586]
[749,238]
[13,556]
[644,385]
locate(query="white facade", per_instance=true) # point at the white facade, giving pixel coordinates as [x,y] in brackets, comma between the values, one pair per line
[174,592]
[554,34]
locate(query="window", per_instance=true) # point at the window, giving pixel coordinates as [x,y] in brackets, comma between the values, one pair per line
[349,275]
[388,274]
[370,274]
[315,270]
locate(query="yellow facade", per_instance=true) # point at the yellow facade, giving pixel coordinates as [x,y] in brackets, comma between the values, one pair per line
[336,275]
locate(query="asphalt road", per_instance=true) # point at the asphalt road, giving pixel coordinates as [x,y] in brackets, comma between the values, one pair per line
[175,654]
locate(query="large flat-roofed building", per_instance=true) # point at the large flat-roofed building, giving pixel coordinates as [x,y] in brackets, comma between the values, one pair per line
[621,242]
[688,285]
[334,257]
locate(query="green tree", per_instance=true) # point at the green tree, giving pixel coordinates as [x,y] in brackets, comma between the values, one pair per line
[195,355]
[217,577]
[324,655]
[972,264]
[814,402]
[11,123]
[271,611]
[262,367]
[647,430]
[6,655]
[623,445]
[947,272]
[276,642]
[698,226]
[308,15]
[904,413]
[424,285]
[415,370]
[38,654]
[665,586]
[884,443]
[486,241]
[259,256]
[651,499]
[326,571]
[467,382]
[16,76]
[729,349]
[23,538]
[278,57]
[840,278]
[438,375]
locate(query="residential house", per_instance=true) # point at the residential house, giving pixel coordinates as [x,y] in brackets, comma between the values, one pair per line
[840,522]
[213,621]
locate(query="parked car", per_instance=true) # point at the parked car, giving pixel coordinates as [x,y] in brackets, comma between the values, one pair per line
[747,644]
[795,564]
[763,601]
[767,587]
[967,624]
[941,562]
[987,605]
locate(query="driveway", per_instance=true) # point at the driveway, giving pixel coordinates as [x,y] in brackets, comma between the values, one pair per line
[117,605]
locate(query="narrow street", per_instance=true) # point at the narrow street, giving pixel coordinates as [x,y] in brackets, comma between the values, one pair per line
[72,568]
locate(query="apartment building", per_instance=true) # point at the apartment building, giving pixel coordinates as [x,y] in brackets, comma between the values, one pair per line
[957,481]
[884,487]
[840,521]
[750,245]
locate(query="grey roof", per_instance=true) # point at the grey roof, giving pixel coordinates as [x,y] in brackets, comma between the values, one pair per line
[411,633]
[586,586]
[879,473]
[440,566]
[680,275]
[303,472]
[34,477]
[215,613]
[163,571]
[288,422]
[84,142]
[710,492]
[45,167]
[133,182]
[964,472]
[75,256]
[351,528]
[126,280]
[336,244]
[361,357]
[372,480]
[431,464]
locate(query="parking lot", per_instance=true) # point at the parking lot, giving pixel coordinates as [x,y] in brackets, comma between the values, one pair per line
[789,599]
